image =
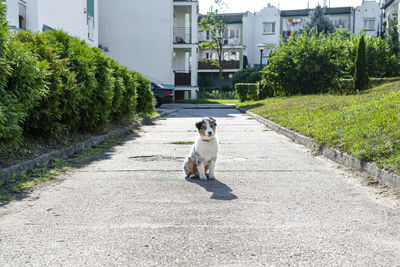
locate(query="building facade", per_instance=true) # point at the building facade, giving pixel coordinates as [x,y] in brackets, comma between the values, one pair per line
[261,33]
[79,18]
[367,18]
[234,53]
[155,38]
[390,10]
[294,20]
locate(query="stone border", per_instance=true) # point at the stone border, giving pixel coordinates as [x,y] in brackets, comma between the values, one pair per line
[63,153]
[330,153]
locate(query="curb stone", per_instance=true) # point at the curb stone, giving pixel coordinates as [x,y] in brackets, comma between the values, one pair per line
[63,153]
[333,154]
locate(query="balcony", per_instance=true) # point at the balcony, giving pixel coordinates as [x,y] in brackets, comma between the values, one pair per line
[182,35]
[228,65]
[183,78]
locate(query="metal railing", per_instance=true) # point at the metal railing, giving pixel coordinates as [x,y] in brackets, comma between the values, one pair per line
[228,65]
[183,77]
[182,35]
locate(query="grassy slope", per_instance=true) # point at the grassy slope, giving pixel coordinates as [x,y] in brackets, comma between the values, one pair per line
[366,126]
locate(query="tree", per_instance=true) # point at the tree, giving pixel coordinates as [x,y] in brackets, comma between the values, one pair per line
[317,19]
[217,36]
[361,79]
[393,33]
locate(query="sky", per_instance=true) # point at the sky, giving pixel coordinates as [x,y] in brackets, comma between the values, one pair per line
[256,5]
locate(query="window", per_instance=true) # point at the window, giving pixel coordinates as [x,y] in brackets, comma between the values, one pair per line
[90,27]
[269,27]
[22,15]
[369,24]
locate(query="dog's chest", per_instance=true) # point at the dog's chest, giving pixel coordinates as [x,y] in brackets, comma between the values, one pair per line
[207,150]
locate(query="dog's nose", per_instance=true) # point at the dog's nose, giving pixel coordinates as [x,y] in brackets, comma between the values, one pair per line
[210,133]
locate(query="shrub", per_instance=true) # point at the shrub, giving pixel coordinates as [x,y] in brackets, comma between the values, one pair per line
[24,88]
[216,94]
[246,91]
[247,75]
[360,78]
[305,65]
[145,95]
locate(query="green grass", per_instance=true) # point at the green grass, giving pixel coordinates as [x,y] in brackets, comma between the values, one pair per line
[366,125]
[208,101]
[182,143]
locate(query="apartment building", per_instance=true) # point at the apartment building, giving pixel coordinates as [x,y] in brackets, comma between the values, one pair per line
[294,20]
[367,18]
[157,38]
[390,10]
[79,18]
[261,33]
[234,53]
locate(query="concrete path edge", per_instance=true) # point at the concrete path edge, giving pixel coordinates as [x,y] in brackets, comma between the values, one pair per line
[335,155]
[43,160]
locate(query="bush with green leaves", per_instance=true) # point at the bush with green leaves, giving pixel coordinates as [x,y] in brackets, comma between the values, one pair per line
[145,95]
[247,75]
[313,63]
[53,85]
[246,91]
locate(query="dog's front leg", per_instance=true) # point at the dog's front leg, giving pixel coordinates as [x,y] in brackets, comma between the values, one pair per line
[201,170]
[211,174]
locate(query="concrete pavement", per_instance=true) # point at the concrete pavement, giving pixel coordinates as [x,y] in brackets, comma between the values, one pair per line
[273,203]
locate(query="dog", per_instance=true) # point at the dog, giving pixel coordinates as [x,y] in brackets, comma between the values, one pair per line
[204,151]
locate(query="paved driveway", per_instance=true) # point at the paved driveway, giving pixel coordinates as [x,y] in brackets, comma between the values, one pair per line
[273,203]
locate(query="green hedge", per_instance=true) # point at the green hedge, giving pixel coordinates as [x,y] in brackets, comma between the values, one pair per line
[246,91]
[53,85]
[346,85]
[313,63]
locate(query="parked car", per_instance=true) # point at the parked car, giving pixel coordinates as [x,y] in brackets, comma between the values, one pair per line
[162,95]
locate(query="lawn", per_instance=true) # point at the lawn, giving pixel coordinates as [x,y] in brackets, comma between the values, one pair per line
[366,125]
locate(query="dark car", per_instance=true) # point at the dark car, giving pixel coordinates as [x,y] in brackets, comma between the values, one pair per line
[162,95]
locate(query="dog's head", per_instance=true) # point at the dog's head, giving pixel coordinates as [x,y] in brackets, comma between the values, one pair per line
[207,127]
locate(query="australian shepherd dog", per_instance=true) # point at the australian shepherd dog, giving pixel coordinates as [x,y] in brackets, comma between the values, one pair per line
[204,151]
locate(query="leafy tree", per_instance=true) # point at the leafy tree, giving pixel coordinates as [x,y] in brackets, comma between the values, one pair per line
[361,79]
[393,33]
[216,31]
[317,19]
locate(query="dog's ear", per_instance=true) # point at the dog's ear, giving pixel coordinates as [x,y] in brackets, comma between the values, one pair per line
[214,121]
[199,124]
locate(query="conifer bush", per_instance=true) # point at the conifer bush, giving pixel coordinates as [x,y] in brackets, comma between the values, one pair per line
[360,79]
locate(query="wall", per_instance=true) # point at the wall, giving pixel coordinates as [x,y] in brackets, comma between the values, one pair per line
[12,12]
[139,35]
[68,16]
[368,10]
[253,32]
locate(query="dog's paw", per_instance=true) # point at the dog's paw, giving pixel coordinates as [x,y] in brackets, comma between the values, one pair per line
[211,177]
[203,177]
[192,176]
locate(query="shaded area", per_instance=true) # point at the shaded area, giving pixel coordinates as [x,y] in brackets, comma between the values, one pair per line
[219,190]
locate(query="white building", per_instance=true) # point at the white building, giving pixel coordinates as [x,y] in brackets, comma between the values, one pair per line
[79,18]
[261,28]
[367,18]
[157,38]
[390,11]
[234,53]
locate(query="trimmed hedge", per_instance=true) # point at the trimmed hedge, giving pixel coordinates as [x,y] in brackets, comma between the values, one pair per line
[53,85]
[246,91]
[346,85]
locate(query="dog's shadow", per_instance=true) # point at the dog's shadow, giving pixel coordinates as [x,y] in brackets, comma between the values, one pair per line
[220,191]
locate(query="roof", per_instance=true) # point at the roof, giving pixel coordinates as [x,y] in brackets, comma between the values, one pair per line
[228,18]
[387,3]
[304,12]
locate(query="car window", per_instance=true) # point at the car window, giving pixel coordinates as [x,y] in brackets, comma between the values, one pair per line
[151,87]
